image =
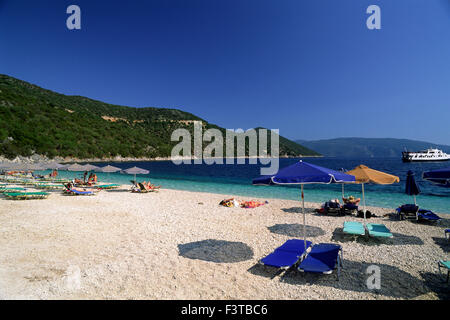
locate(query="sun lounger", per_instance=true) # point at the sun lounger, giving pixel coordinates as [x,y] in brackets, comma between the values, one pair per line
[447,234]
[287,255]
[108,186]
[378,230]
[26,195]
[354,228]
[48,186]
[324,258]
[349,208]
[332,208]
[444,265]
[75,192]
[12,189]
[427,215]
[407,211]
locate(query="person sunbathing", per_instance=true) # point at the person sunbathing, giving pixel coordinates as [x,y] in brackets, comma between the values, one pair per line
[92,179]
[252,204]
[149,186]
[351,200]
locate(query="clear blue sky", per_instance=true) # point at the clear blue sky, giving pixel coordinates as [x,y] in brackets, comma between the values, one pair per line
[310,68]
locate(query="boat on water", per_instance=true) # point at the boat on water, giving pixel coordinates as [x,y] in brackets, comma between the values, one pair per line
[425,155]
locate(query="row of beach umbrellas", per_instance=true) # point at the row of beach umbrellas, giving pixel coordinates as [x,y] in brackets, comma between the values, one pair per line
[72,167]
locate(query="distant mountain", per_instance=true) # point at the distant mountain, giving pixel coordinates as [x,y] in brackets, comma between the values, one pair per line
[36,121]
[368,147]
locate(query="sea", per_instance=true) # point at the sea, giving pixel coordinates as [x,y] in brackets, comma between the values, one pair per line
[236,180]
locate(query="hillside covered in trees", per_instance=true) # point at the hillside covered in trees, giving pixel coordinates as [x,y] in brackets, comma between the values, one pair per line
[34,120]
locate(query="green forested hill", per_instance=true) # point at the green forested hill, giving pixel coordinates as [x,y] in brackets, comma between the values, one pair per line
[38,121]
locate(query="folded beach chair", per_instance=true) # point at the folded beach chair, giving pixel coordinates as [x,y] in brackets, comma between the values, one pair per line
[444,265]
[323,258]
[378,230]
[26,195]
[427,215]
[354,228]
[287,255]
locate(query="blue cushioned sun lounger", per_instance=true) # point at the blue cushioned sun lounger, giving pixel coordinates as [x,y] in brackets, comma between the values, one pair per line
[444,265]
[354,228]
[427,215]
[378,230]
[81,192]
[323,258]
[287,255]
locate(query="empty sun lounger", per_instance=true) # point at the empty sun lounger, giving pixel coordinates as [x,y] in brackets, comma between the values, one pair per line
[26,195]
[407,211]
[12,189]
[378,230]
[354,228]
[287,255]
[447,234]
[108,186]
[444,265]
[324,258]
[427,215]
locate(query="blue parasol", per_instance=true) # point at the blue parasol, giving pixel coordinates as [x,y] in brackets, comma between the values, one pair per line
[304,173]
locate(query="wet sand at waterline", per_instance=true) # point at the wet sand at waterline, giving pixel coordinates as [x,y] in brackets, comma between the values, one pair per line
[183,245]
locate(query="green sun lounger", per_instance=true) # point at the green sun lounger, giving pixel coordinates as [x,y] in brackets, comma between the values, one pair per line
[26,195]
[11,189]
[108,186]
[354,228]
[444,265]
[378,230]
[48,186]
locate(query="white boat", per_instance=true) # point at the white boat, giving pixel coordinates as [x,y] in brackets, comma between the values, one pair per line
[425,155]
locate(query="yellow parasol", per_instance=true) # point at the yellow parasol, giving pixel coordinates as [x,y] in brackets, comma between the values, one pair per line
[364,174]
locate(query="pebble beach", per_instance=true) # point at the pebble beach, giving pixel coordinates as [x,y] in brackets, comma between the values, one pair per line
[176,244]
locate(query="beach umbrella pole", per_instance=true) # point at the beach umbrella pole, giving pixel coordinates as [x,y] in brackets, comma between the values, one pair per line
[364,202]
[304,218]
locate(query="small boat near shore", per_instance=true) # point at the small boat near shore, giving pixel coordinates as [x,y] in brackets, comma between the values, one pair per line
[425,155]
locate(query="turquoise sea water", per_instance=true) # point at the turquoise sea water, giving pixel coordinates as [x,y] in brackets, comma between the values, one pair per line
[236,180]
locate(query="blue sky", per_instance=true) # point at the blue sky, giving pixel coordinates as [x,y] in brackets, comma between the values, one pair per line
[310,68]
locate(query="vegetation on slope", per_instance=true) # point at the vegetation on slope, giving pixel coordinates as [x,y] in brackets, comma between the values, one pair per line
[38,121]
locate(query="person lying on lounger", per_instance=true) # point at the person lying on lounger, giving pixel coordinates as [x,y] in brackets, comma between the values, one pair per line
[351,200]
[149,186]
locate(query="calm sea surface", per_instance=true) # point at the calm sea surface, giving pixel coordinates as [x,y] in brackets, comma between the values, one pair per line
[236,180]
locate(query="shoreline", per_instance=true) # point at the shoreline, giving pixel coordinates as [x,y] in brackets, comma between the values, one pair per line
[182,245]
[38,158]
